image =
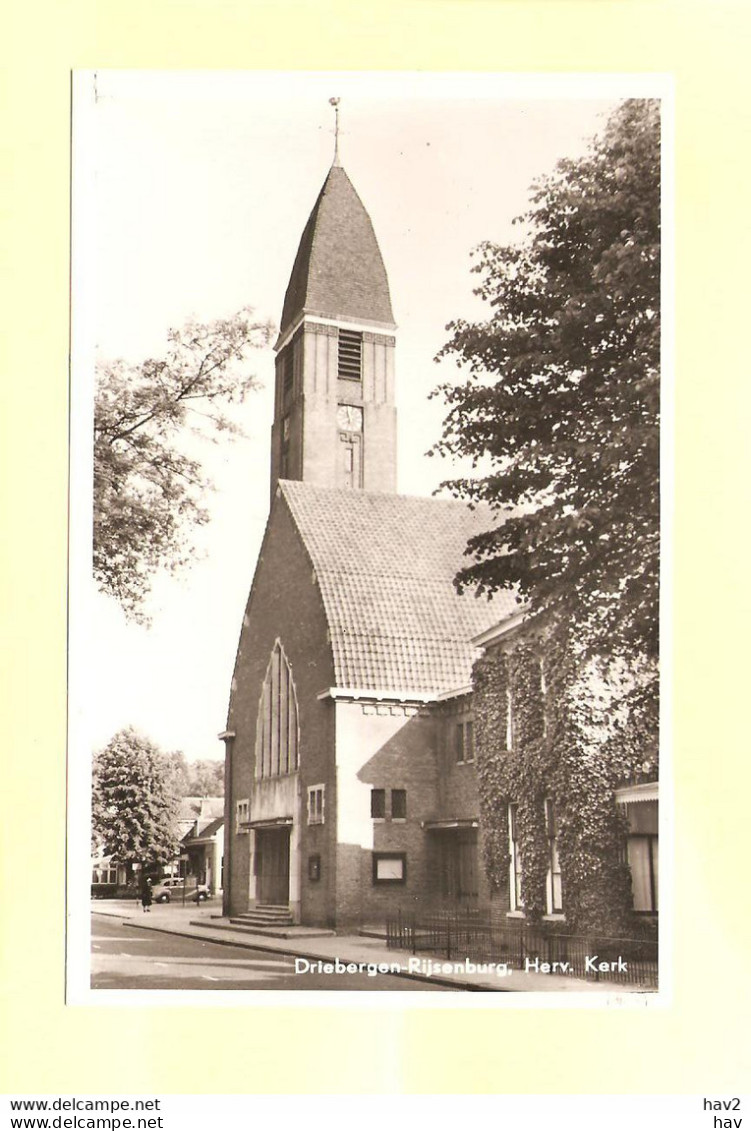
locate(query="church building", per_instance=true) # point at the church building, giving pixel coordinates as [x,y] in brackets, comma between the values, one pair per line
[350,783]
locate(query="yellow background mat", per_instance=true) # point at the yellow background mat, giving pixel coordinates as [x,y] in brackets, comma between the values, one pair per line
[695,1042]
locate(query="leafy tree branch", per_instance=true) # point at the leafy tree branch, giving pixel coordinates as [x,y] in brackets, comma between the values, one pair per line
[149,492]
[562,394]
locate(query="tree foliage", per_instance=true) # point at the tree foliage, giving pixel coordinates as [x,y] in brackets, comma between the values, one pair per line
[203,777]
[561,398]
[178,772]
[149,487]
[134,801]
[559,415]
[206,778]
[568,748]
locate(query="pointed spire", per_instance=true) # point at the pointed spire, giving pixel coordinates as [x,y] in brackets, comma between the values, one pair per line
[338,270]
[335,103]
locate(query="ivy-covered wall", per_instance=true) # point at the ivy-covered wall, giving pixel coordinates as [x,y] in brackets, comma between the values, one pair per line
[547,726]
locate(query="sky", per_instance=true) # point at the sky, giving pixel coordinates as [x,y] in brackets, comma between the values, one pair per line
[190,194]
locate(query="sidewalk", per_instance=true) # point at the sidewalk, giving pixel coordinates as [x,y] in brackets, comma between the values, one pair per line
[205,922]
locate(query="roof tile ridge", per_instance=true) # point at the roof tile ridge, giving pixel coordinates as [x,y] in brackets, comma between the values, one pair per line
[362,494]
[317,567]
[315,216]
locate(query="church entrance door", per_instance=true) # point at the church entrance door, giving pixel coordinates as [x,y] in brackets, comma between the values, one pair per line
[458,864]
[272,854]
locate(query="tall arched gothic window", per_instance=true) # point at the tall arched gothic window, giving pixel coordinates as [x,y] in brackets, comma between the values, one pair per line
[276,729]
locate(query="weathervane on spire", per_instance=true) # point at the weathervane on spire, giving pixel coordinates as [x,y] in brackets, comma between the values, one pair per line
[335,103]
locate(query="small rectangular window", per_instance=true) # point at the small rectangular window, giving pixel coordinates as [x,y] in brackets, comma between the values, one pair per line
[288,371]
[643,861]
[104,875]
[284,461]
[509,720]
[378,803]
[242,814]
[554,893]
[515,863]
[464,741]
[398,804]
[551,825]
[316,804]
[469,741]
[350,355]
[459,741]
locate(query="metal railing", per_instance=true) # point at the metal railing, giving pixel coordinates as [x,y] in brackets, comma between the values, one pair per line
[489,936]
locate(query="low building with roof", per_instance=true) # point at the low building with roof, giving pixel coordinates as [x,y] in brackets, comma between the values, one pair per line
[197,811]
[108,877]
[203,845]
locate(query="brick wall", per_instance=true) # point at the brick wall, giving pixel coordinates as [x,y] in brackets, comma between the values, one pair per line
[285,603]
[382,746]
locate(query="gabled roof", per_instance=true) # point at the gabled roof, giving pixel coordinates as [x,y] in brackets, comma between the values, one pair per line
[338,272]
[385,566]
[204,831]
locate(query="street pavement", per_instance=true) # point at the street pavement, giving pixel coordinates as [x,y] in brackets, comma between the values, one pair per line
[125,957]
[206,924]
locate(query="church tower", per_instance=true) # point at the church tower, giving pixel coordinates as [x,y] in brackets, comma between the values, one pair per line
[334,412]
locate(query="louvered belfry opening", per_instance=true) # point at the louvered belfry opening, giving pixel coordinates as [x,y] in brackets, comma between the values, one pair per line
[350,354]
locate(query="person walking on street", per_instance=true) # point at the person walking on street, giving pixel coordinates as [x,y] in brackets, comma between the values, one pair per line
[146,893]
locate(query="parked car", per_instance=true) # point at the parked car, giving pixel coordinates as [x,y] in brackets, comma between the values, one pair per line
[172,888]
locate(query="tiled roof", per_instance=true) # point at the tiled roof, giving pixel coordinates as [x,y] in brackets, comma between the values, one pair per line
[208,830]
[385,565]
[338,271]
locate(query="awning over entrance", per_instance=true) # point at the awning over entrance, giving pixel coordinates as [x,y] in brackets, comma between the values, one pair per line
[633,794]
[269,823]
[451,823]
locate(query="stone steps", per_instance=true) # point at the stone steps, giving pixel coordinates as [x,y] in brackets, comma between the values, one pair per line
[272,920]
[266,915]
[276,931]
[278,911]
